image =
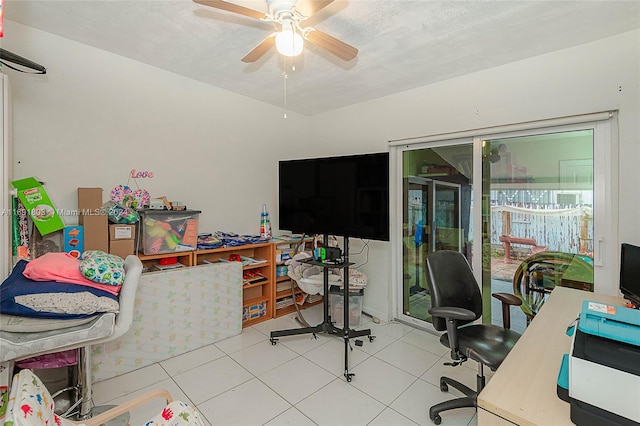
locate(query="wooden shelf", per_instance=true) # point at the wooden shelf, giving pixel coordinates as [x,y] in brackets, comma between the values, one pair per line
[283,278]
[262,292]
[256,301]
[286,293]
[279,295]
[291,308]
[149,260]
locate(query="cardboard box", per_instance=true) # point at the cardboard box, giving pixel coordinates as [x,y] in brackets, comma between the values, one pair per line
[89,199]
[122,248]
[254,311]
[96,232]
[251,293]
[73,240]
[121,232]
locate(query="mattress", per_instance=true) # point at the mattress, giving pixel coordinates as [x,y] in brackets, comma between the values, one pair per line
[175,312]
[21,345]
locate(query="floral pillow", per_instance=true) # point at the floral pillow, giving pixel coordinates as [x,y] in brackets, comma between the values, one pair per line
[102,267]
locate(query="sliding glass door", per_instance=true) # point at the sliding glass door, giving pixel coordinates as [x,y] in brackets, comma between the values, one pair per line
[539,218]
[536,192]
[436,216]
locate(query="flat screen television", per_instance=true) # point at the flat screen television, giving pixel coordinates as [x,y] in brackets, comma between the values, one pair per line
[630,272]
[345,196]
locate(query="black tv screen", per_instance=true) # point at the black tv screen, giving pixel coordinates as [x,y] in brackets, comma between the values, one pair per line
[346,196]
[630,272]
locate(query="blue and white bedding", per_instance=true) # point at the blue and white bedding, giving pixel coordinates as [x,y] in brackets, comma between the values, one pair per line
[21,296]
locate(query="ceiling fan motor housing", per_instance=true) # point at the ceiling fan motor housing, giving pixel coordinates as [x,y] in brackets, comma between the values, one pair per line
[286,13]
[277,6]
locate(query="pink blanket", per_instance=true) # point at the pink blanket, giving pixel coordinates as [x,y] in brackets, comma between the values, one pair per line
[63,268]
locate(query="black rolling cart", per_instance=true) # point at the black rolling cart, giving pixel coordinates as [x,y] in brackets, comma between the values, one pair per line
[327,326]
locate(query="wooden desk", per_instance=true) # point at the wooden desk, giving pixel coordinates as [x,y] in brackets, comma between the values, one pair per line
[523,390]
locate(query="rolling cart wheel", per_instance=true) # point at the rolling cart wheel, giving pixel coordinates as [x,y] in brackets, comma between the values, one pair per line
[371,338]
[273,341]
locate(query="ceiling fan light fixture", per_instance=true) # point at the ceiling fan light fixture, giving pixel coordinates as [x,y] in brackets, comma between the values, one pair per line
[288,41]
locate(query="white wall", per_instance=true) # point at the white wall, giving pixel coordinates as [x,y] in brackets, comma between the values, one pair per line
[95,116]
[598,76]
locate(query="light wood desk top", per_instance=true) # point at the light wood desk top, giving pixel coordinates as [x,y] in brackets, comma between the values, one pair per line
[523,389]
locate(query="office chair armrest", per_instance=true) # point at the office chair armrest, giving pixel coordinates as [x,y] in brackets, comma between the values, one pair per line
[507,300]
[449,312]
[452,315]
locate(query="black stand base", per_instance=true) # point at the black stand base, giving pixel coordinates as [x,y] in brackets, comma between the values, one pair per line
[320,328]
[327,326]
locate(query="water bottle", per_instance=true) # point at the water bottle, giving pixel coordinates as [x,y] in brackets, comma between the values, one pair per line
[265,223]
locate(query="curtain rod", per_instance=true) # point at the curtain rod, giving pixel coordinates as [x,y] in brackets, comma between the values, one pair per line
[526,125]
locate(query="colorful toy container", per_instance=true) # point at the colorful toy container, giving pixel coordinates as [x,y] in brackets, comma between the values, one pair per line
[168,231]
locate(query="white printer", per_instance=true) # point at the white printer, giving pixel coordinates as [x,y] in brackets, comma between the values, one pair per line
[600,377]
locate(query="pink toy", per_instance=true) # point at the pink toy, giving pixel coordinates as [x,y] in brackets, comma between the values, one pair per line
[143,197]
[119,192]
[155,246]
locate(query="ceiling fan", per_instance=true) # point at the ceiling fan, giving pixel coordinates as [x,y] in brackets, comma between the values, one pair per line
[289,41]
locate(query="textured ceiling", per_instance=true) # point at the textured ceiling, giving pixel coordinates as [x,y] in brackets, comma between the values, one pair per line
[402,44]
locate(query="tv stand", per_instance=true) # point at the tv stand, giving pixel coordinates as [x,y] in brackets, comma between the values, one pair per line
[327,326]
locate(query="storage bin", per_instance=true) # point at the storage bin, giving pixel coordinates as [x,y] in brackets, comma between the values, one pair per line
[251,312]
[168,231]
[336,306]
[281,270]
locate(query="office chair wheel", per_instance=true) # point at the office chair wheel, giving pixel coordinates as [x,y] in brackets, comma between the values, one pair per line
[436,419]
[443,387]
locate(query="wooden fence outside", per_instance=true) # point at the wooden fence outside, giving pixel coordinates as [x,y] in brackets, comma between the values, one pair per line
[569,230]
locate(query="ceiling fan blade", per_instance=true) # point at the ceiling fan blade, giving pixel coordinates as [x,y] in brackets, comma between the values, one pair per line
[309,7]
[332,45]
[230,7]
[262,48]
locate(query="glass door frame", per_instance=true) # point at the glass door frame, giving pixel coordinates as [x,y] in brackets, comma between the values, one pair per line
[605,165]
[396,182]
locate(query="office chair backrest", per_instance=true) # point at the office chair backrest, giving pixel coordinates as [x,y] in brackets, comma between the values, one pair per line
[451,283]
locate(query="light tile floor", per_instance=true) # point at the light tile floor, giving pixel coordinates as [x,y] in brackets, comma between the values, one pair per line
[245,380]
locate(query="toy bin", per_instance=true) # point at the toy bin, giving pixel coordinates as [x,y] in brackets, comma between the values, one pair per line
[336,303]
[168,231]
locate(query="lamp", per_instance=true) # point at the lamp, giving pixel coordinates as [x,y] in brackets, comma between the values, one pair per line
[288,41]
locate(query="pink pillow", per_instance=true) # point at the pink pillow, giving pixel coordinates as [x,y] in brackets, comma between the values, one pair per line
[63,268]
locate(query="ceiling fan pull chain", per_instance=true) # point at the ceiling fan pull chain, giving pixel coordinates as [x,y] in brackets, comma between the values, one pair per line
[284,77]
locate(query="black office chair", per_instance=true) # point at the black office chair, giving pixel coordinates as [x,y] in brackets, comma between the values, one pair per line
[456,303]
